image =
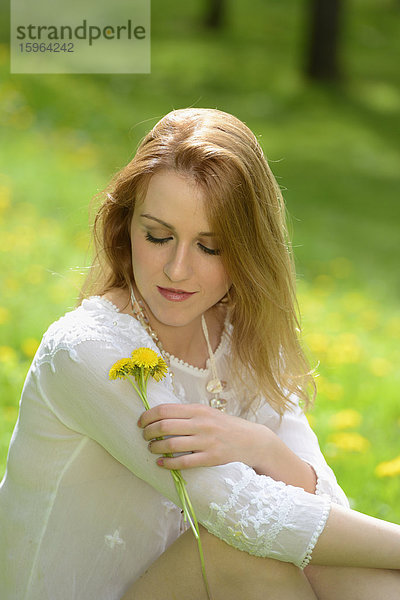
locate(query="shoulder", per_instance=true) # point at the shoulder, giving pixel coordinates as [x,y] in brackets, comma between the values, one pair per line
[97,322]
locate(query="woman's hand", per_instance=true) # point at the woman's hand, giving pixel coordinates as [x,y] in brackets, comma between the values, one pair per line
[209,435]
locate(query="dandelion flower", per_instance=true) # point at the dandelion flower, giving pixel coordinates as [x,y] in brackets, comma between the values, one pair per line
[8,356]
[144,363]
[29,347]
[349,441]
[346,419]
[148,361]
[145,357]
[160,370]
[390,468]
[122,368]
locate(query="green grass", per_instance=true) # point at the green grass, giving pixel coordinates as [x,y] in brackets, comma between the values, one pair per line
[334,150]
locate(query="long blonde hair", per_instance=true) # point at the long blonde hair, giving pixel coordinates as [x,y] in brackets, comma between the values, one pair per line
[245,209]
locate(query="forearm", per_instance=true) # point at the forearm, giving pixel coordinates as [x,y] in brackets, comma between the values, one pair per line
[275,459]
[353,539]
[205,437]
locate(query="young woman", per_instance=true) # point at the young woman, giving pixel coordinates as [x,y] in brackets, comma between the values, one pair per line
[192,261]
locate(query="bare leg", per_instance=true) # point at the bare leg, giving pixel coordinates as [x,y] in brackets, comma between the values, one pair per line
[231,574]
[352,583]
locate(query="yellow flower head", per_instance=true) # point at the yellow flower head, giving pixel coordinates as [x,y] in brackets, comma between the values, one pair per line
[160,370]
[349,441]
[346,419]
[122,368]
[390,468]
[150,362]
[145,357]
[143,364]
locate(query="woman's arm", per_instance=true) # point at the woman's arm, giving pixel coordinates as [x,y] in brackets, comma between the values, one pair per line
[251,512]
[295,431]
[353,539]
[212,438]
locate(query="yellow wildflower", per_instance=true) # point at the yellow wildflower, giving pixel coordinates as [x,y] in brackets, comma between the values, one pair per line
[380,366]
[29,347]
[151,363]
[346,419]
[349,441]
[160,370]
[8,356]
[390,468]
[318,342]
[346,348]
[122,368]
[144,363]
[145,357]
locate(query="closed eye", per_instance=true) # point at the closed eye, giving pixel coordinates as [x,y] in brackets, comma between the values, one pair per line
[161,241]
[209,250]
[155,240]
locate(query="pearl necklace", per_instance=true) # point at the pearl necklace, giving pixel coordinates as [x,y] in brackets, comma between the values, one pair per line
[215,385]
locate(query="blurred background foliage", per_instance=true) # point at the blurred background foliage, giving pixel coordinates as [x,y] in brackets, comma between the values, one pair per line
[333,144]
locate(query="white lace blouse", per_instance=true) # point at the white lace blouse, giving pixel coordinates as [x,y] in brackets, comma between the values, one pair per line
[84,509]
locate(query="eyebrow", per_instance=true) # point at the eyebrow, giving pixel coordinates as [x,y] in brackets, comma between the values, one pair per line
[201,233]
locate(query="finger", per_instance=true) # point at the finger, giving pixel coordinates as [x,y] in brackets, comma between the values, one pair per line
[169,427]
[170,411]
[186,461]
[186,443]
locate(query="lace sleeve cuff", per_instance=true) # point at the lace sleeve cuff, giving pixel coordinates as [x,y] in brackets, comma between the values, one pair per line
[267,518]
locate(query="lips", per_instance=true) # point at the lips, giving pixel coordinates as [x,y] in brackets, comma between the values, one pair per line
[174,295]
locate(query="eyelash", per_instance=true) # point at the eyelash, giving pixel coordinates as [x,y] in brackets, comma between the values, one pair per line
[161,241]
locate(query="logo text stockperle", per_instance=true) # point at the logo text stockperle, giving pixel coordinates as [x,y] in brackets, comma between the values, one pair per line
[81,32]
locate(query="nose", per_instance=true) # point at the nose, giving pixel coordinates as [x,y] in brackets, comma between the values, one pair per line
[179,264]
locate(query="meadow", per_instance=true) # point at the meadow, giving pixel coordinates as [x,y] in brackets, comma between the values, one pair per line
[334,150]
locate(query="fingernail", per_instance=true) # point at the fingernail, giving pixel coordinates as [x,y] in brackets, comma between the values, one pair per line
[160,462]
[138,423]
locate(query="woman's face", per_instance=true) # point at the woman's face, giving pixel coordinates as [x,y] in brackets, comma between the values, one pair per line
[176,263]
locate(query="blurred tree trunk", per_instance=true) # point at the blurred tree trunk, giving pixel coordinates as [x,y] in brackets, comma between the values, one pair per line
[322,60]
[215,14]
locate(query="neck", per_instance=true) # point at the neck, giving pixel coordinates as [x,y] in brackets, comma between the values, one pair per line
[187,342]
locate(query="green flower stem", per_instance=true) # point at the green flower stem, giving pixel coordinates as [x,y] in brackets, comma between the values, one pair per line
[180,483]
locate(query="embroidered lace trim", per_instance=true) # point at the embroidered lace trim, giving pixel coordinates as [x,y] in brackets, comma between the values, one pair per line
[174,359]
[316,535]
[90,322]
[251,518]
[219,350]
[191,368]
